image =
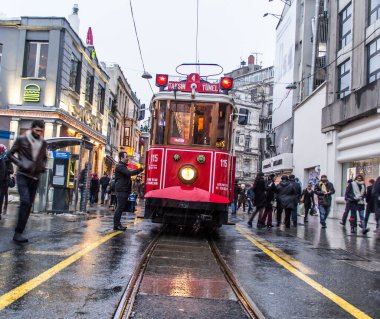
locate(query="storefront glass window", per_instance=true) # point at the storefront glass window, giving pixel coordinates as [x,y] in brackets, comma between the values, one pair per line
[367,168]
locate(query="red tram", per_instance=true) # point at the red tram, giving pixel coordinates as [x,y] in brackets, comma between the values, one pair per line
[190,164]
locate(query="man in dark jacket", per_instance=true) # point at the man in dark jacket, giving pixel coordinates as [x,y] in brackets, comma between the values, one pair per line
[31,162]
[324,190]
[6,170]
[123,186]
[104,181]
[260,199]
[269,198]
[286,200]
[94,189]
[369,198]
[298,189]
[376,201]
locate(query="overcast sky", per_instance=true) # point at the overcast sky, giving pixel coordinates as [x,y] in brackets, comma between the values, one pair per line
[229,30]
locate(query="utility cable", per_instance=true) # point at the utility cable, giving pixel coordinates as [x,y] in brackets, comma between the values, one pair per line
[196,38]
[138,43]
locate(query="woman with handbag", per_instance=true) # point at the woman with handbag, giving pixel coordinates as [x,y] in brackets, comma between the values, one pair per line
[6,180]
[307,197]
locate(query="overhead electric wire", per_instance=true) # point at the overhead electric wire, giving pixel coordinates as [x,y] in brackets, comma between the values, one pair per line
[138,43]
[196,38]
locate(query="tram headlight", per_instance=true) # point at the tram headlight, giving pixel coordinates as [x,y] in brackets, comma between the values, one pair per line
[188,174]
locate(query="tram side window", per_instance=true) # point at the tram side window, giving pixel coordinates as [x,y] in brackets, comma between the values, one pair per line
[220,136]
[180,123]
[161,124]
[202,124]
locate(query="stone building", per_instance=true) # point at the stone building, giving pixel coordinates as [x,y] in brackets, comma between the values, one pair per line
[253,90]
[48,72]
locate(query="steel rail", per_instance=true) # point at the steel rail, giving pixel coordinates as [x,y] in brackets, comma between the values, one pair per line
[246,302]
[125,304]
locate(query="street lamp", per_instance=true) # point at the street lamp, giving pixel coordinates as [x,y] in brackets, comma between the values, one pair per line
[278,16]
[146,75]
[287,2]
[291,86]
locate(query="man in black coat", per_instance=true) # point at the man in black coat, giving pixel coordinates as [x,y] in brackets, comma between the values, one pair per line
[104,182]
[298,190]
[123,187]
[31,162]
[286,200]
[369,198]
[6,170]
[324,190]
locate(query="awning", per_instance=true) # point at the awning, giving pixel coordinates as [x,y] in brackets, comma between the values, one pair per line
[111,160]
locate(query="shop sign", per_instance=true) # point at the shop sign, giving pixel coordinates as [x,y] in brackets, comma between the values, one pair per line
[32,93]
[61,155]
[7,135]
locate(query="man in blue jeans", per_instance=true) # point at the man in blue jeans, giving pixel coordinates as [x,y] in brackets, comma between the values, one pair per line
[31,162]
[324,190]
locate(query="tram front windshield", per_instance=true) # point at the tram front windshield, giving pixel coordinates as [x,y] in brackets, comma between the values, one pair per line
[198,124]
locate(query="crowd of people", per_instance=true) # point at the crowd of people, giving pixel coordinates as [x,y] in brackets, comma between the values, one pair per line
[106,186]
[29,155]
[286,199]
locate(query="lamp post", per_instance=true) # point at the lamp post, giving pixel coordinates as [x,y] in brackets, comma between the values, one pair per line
[278,16]
[287,2]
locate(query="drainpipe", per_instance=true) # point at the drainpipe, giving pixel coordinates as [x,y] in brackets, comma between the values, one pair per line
[58,88]
[315,23]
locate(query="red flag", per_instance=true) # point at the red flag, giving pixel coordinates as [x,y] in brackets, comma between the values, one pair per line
[89,39]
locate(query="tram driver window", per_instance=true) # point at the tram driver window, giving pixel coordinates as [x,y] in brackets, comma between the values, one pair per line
[180,123]
[202,124]
[161,124]
[220,137]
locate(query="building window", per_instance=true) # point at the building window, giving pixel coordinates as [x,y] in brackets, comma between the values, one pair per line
[35,63]
[127,136]
[75,75]
[101,98]
[374,60]
[109,140]
[345,25]
[89,88]
[247,145]
[344,79]
[1,54]
[237,138]
[374,11]
[247,167]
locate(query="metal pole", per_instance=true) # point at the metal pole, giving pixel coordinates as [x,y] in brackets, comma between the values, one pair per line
[78,175]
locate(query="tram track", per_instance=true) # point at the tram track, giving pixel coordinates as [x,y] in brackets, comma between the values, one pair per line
[125,307]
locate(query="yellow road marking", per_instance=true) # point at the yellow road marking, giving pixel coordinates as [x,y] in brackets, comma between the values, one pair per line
[355,312]
[297,264]
[66,252]
[18,292]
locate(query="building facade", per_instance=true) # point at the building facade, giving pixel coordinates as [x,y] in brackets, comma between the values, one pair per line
[253,90]
[47,72]
[351,119]
[299,69]
[124,132]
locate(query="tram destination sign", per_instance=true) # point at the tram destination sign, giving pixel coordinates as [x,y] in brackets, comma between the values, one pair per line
[194,81]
